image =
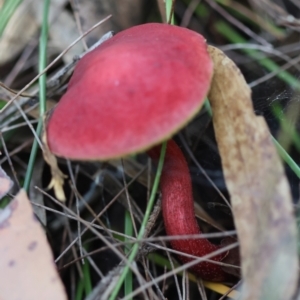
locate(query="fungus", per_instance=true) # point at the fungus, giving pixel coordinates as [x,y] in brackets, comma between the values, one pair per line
[129,94]
[133,91]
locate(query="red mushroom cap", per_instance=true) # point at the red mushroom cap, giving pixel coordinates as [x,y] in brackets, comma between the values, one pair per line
[130,93]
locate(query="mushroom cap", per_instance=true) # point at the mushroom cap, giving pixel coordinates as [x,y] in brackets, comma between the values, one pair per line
[132,92]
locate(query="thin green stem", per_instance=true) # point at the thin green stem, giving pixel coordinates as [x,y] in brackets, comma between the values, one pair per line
[42,92]
[7,10]
[287,127]
[87,281]
[233,36]
[43,57]
[32,157]
[129,232]
[144,223]
[286,157]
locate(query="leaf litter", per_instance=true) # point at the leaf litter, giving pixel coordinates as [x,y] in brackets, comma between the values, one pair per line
[259,190]
[273,218]
[25,256]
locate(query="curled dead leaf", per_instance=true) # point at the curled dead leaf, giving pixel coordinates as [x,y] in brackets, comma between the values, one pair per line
[260,194]
[58,177]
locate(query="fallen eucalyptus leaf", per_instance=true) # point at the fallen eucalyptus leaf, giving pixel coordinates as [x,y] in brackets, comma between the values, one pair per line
[26,262]
[260,194]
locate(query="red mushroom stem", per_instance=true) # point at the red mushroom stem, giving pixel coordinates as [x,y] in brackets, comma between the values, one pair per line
[179,215]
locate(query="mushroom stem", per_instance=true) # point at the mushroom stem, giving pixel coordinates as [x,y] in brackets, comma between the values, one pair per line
[179,214]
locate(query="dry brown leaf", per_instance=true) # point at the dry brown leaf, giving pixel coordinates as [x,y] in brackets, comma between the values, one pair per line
[58,177]
[63,32]
[5,183]
[14,37]
[130,13]
[23,25]
[260,194]
[26,262]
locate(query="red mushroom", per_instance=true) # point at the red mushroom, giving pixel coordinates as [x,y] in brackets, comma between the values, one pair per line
[129,94]
[132,92]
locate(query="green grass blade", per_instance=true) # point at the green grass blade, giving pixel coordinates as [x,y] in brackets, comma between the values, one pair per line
[42,91]
[87,281]
[144,222]
[32,158]
[129,232]
[84,285]
[233,36]
[287,158]
[79,290]
[285,125]
[7,10]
